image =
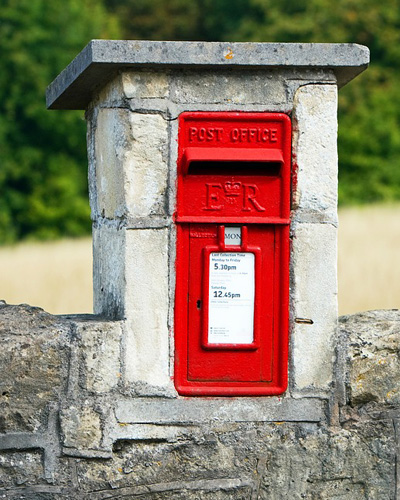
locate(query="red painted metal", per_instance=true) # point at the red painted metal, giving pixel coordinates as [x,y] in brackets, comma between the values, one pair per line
[233,169]
[233,165]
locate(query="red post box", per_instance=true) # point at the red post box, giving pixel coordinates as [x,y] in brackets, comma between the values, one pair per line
[232,266]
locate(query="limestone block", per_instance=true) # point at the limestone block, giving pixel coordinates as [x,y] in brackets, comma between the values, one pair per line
[313,306]
[111,95]
[145,84]
[204,410]
[33,365]
[146,342]
[101,345]
[148,432]
[112,134]
[373,357]
[146,168]
[19,468]
[228,87]
[81,427]
[315,150]
[109,271]
[131,164]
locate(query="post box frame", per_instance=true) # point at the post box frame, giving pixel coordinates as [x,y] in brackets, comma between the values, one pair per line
[279,221]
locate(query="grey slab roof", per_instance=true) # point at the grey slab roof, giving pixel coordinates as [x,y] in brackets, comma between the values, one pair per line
[101,59]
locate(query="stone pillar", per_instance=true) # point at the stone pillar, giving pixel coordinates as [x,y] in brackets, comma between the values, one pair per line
[133,92]
[314,232]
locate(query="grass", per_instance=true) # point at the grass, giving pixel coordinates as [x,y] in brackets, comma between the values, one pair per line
[58,276]
[369,264]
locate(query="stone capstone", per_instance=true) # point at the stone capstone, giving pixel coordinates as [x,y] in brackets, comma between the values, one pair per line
[101,60]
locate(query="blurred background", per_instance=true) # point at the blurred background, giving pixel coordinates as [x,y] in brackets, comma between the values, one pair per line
[45,246]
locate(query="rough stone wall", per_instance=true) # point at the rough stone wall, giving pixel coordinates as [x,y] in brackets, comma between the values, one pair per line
[72,427]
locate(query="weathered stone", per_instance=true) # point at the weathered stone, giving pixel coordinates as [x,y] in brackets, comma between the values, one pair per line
[110,158]
[314,306]
[207,448]
[315,138]
[326,465]
[33,365]
[145,84]
[373,357]
[100,60]
[146,172]
[144,304]
[130,158]
[108,271]
[101,346]
[195,411]
[20,468]
[149,432]
[228,87]
[81,428]
[111,95]
[147,335]
[266,461]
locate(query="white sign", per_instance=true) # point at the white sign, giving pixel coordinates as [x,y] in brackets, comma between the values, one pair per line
[233,235]
[231,298]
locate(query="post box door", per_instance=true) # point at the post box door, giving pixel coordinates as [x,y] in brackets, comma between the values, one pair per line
[230,337]
[224,327]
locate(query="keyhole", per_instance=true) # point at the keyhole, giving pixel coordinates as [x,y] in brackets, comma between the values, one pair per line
[198,304]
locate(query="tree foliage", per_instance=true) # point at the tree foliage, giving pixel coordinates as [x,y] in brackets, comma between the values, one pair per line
[43,155]
[369,107]
[43,159]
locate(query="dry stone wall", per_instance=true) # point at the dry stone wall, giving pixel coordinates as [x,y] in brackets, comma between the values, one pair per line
[70,427]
